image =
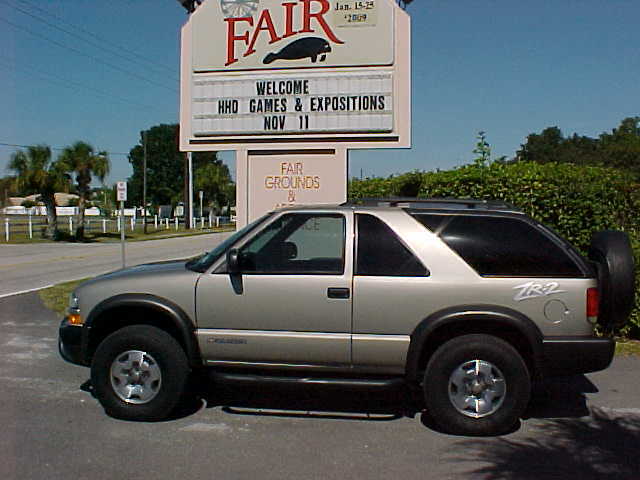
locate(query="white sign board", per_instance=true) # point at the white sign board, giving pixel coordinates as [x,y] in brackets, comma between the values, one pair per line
[66,211]
[294,74]
[121,189]
[285,180]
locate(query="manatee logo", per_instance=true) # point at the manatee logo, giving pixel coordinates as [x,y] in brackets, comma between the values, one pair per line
[310,47]
[239,8]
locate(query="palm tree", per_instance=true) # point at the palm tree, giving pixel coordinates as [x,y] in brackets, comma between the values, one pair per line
[81,160]
[36,173]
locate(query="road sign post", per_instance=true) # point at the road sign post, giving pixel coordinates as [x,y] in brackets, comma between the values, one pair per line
[122,197]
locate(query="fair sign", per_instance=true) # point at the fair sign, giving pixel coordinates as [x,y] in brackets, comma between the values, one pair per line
[269,34]
[288,180]
[294,72]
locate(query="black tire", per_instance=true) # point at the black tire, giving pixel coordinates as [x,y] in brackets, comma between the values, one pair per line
[498,357]
[161,374]
[611,250]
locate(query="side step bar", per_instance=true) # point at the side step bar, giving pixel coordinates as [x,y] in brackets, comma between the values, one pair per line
[382,383]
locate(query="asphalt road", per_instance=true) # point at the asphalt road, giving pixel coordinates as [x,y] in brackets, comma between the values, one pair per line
[585,427]
[34,266]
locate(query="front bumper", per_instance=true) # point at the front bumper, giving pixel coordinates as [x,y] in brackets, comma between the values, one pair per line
[70,342]
[575,355]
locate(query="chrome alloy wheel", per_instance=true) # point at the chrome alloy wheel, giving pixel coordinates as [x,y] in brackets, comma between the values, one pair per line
[135,377]
[477,388]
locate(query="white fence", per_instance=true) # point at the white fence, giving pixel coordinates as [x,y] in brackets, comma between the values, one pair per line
[16,225]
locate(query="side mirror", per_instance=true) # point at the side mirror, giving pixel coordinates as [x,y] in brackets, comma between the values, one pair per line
[233,261]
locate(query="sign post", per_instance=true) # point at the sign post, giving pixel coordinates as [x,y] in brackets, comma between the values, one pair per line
[122,197]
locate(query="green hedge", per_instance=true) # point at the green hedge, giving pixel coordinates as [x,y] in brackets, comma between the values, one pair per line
[575,200]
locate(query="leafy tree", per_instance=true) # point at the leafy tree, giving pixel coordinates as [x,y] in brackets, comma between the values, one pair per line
[165,170]
[7,189]
[37,173]
[618,149]
[214,179]
[104,198]
[83,162]
[165,167]
[621,147]
[482,151]
[541,148]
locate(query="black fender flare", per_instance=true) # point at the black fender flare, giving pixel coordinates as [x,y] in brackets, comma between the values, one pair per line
[463,314]
[179,320]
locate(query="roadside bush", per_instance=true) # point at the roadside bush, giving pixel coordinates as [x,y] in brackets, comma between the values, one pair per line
[576,201]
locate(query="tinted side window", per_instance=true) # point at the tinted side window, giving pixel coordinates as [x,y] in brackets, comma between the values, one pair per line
[381,253]
[503,246]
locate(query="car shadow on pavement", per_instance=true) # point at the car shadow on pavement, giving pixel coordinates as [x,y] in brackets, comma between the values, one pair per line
[562,397]
[602,446]
[312,402]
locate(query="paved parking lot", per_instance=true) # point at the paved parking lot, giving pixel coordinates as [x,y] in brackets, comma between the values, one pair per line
[583,427]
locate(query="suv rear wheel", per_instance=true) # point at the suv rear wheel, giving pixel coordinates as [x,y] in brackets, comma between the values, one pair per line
[476,385]
[139,373]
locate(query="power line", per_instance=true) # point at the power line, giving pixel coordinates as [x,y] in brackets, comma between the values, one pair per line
[84,38]
[4,144]
[75,50]
[63,82]
[99,38]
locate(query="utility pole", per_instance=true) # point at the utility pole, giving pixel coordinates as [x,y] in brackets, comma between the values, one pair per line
[144,180]
[186,191]
[190,159]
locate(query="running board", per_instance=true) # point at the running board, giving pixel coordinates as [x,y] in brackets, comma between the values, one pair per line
[363,383]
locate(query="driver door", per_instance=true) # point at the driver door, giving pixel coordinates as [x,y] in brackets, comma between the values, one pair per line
[291,302]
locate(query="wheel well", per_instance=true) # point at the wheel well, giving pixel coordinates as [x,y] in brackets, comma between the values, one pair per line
[508,333]
[119,317]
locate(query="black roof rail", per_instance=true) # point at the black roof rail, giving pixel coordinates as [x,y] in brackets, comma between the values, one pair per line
[434,203]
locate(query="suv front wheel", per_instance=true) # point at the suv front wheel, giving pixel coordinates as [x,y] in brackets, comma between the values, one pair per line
[476,385]
[139,373]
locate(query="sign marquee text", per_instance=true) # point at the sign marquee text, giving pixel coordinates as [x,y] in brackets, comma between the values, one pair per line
[258,105]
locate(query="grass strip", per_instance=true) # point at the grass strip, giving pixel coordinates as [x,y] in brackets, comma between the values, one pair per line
[56,298]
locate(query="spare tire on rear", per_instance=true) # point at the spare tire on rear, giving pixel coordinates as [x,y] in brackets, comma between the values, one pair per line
[611,250]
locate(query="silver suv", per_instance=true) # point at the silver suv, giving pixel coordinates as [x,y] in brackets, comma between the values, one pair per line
[468,301]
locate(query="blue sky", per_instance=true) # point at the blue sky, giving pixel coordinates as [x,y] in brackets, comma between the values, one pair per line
[509,68]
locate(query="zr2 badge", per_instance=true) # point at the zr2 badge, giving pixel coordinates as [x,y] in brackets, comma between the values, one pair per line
[535,290]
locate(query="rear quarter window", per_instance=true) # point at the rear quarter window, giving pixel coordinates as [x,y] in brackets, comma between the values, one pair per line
[503,246]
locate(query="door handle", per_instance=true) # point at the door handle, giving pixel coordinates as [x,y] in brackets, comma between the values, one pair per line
[343,293]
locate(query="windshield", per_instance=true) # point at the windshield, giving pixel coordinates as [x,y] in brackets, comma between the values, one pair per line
[201,263]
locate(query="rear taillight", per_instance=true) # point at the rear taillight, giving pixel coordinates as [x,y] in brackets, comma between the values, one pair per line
[592,304]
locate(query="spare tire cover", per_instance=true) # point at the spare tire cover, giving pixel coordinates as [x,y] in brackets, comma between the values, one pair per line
[611,250]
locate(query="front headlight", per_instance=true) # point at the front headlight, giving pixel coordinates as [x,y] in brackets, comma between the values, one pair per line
[73,301]
[74,310]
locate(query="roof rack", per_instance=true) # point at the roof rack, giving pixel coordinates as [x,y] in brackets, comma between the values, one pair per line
[434,203]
